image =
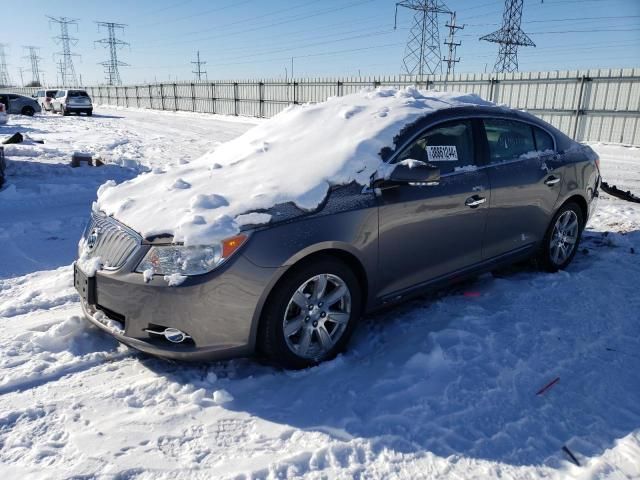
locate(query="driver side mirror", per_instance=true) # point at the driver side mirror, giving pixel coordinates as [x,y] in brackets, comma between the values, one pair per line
[409,172]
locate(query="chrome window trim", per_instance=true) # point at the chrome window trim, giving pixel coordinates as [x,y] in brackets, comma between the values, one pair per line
[479,116]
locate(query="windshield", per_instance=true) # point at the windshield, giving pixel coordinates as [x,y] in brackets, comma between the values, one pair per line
[77,93]
[51,93]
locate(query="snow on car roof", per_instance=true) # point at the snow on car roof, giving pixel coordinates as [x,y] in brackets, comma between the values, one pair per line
[295,156]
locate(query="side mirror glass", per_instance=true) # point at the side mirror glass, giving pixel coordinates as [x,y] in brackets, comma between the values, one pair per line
[409,172]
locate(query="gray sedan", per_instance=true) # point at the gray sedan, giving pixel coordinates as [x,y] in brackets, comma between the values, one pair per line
[19,104]
[468,190]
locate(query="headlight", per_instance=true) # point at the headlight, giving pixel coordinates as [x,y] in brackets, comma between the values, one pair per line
[165,260]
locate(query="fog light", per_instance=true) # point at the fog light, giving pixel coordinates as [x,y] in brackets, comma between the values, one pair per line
[172,334]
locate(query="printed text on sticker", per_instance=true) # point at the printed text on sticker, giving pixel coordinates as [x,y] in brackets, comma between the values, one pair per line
[442,153]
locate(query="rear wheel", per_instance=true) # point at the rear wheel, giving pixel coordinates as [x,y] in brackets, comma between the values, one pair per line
[311,314]
[89,113]
[29,111]
[563,238]
[64,111]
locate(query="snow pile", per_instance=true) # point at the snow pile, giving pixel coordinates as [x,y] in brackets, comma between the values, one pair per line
[294,157]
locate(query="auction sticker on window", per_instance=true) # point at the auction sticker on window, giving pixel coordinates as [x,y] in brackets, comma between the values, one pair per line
[442,153]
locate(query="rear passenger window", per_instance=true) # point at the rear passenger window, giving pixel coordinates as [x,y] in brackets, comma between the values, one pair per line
[543,140]
[508,139]
[448,146]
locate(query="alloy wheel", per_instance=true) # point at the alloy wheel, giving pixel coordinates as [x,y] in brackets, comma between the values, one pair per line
[564,237]
[317,316]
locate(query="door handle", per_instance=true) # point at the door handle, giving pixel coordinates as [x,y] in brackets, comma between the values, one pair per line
[552,180]
[474,201]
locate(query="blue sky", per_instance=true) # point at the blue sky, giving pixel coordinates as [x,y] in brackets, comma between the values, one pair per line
[257,38]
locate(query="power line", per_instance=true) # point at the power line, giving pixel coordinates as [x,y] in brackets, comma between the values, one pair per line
[111,66]
[5,80]
[509,37]
[197,14]
[243,21]
[422,53]
[451,58]
[35,67]
[68,73]
[287,20]
[198,71]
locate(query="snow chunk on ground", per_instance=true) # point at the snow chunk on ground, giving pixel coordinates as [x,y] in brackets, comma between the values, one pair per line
[294,157]
[222,396]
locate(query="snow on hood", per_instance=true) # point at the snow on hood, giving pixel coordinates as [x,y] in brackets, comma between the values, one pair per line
[295,156]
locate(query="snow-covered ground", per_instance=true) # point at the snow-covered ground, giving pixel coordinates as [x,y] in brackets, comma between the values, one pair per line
[441,387]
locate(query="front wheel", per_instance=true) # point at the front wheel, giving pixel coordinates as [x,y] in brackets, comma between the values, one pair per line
[563,238]
[29,111]
[311,314]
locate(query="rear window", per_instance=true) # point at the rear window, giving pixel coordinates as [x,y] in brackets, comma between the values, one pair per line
[543,140]
[508,139]
[51,93]
[77,93]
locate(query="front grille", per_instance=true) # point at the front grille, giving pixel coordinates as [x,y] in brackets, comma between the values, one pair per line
[108,239]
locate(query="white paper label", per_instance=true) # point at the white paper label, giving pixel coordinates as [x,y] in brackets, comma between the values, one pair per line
[442,153]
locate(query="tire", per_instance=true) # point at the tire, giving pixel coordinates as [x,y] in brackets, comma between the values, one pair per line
[562,239]
[89,113]
[314,323]
[29,111]
[64,111]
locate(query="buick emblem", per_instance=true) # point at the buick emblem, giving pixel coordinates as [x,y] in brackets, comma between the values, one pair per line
[92,239]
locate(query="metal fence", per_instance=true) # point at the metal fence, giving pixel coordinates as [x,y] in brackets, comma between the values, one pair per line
[589,105]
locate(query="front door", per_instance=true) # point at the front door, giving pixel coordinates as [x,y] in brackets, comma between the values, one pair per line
[524,186]
[427,232]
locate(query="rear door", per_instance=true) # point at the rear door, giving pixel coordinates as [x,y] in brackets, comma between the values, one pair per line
[524,186]
[426,232]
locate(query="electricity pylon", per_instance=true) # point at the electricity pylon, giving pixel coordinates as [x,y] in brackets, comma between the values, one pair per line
[111,66]
[199,73]
[451,59]
[34,58]
[422,53]
[5,81]
[68,73]
[509,37]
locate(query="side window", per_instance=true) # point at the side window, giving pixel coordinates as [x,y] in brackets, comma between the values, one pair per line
[448,146]
[60,94]
[508,139]
[543,140]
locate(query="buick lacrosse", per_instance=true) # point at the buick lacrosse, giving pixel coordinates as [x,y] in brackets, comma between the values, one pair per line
[280,240]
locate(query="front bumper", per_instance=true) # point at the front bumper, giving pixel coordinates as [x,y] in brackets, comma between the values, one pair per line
[219,311]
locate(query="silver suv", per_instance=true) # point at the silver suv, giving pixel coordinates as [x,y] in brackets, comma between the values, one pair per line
[72,101]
